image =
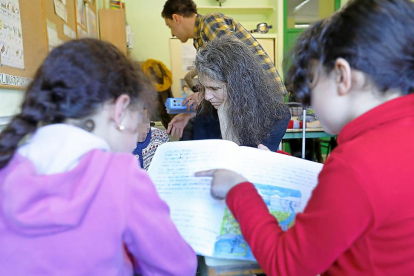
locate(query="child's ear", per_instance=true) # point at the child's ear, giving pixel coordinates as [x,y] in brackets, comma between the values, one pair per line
[121,105]
[343,76]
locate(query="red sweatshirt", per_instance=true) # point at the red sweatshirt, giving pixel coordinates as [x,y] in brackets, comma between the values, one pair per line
[360,218]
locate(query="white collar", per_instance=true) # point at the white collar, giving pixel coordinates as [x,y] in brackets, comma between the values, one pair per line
[58,148]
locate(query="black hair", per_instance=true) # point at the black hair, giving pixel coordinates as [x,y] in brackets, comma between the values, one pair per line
[185,8]
[75,80]
[374,36]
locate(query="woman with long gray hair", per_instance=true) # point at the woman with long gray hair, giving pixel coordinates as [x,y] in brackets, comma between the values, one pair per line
[234,83]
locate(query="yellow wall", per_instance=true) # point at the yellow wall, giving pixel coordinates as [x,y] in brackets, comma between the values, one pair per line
[151,35]
[326,8]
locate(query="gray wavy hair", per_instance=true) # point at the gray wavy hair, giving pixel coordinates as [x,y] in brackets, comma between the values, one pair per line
[252,95]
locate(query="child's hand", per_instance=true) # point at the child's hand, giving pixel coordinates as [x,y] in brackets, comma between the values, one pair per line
[222,182]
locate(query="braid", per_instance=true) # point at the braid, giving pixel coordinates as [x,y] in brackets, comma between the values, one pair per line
[11,137]
[74,81]
[33,112]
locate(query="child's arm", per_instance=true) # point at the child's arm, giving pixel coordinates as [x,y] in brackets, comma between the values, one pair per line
[150,236]
[337,214]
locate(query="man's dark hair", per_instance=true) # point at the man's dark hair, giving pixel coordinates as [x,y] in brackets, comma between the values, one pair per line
[184,8]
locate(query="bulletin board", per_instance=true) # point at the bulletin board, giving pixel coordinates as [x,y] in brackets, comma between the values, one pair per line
[37,26]
[34,44]
[86,18]
[59,30]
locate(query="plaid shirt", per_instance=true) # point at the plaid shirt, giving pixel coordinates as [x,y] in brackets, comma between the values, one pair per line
[207,27]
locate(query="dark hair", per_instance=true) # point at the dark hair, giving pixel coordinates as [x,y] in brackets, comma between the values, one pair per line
[252,95]
[374,36]
[185,8]
[75,80]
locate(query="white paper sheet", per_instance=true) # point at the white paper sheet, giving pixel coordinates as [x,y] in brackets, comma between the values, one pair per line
[284,182]
[69,32]
[61,10]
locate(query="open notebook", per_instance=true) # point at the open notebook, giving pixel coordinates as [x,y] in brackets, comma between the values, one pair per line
[284,182]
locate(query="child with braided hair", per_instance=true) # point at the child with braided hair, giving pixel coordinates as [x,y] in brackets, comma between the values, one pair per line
[73,199]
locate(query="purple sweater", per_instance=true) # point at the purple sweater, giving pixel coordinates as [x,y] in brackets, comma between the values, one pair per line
[85,221]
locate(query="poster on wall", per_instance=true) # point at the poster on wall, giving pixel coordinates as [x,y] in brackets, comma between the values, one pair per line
[92,28]
[81,32]
[11,38]
[52,35]
[81,13]
[188,57]
[69,32]
[61,10]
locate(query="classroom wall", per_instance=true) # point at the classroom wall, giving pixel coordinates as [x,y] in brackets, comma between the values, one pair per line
[151,38]
[151,35]
[10,100]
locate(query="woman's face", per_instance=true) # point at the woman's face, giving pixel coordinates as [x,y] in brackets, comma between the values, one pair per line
[215,90]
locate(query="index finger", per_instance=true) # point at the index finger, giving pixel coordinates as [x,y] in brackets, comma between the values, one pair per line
[209,173]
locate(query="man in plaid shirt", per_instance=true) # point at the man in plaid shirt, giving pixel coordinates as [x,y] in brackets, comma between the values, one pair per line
[182,18]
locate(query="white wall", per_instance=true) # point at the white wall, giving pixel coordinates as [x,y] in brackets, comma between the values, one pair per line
[10,100]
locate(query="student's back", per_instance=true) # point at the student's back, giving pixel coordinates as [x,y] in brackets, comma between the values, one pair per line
[73,200]
[74,223]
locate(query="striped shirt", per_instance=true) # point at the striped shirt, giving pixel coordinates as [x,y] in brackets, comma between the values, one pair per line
[209,26]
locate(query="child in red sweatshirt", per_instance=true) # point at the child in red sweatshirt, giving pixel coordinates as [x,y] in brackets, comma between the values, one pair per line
[356,69]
